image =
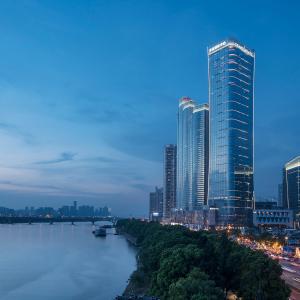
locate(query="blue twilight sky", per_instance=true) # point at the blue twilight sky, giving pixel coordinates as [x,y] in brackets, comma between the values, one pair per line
[89,91]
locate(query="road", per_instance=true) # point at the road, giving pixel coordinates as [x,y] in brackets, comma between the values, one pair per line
[291,275]
[291,270]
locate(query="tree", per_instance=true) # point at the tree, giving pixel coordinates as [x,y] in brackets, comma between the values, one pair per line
[171,257]
[174,264]
[195,286]
[260,279]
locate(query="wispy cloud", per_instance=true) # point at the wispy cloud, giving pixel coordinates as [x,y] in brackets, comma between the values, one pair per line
[65,156]
[142,186]
[16,131]
[26,185]
[100,159]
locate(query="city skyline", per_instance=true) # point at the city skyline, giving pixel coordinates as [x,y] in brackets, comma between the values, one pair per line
[50,212]
[86,112]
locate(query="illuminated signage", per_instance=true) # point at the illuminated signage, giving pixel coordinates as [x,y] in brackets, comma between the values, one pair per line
[232,44]
[217,47]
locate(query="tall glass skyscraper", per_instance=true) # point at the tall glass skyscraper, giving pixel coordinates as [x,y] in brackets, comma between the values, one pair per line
[291,185]
[200,150]
[184,153]
[231,102]
[192,155]
[169,180]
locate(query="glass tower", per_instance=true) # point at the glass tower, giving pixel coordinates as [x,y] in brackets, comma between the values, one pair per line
[291,185]
[231,103]
[192,155]
[169,180]
[184,154]
[200,155]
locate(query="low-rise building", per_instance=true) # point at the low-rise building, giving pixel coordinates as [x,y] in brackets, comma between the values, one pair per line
[273,218]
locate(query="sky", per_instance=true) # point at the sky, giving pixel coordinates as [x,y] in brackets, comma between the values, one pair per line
[89,93]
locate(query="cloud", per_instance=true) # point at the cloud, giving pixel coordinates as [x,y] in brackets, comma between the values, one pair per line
[101,159]
[26,185]
[18,132]
[94,109]
[142,186]
[64,156]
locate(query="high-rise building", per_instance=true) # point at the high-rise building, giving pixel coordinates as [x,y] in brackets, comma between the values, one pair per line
[231,102]
[184,154]
[200,150]
[192,155]
[156,204]
[169,180]
[280,195]
[291,185]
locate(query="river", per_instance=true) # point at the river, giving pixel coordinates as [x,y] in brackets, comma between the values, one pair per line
[62,262]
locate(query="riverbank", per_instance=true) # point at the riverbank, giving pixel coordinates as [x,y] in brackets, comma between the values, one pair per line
[138,283]
[176,263]
[131,239]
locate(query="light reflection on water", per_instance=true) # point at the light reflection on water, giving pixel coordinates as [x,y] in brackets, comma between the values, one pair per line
[62,262]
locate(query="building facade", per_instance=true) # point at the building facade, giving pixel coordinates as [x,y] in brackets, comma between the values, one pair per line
[156,204]
[184,154]
[200,148]
[291,185]
[231,102]
[280,195]
[192,155]
[273,217]
[170,158]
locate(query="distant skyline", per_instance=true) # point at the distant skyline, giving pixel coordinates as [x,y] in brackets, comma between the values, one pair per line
[89,93]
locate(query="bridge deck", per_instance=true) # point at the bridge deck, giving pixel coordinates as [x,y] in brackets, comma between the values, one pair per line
[12,220]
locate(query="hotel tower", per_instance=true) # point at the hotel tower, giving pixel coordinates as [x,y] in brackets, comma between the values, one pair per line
[231,103]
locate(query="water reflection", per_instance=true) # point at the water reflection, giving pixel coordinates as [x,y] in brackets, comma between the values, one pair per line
[62,261]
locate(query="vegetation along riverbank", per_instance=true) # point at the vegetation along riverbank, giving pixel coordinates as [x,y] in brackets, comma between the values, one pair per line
[179,264]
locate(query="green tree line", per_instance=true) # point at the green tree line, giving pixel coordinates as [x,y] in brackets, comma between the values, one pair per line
[178,264]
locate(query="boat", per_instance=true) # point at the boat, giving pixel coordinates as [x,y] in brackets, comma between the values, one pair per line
[100,232]
[107,226]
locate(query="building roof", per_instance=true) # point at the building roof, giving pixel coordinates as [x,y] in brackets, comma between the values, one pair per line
[201,107]
[186,102]
[230,43]
[294,163]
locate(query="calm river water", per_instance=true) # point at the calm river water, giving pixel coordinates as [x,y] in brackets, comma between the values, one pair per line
[62,262]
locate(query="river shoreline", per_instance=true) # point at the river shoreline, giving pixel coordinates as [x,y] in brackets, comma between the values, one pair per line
[133,289]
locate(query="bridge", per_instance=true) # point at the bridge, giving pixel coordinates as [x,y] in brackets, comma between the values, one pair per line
[51,220]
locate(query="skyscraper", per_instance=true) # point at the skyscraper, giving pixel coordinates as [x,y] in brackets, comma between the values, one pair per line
[156,204]
[200,149]
[291,185]
[280,195]
[231,102]
[192,155]
[184,153]
[169,180]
